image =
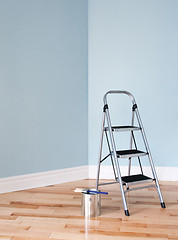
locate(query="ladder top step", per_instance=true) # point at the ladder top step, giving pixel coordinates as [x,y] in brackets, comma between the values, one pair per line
[136,179]
[130,153]
[123,128]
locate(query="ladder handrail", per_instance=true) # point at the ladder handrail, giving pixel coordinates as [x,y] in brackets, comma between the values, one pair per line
[120,92]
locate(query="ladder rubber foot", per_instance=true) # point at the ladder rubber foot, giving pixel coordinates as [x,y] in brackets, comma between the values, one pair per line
[127,213]
[163,205]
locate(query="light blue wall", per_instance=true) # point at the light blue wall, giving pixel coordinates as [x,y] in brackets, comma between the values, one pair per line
[43,85]
[43,78]
[133,45]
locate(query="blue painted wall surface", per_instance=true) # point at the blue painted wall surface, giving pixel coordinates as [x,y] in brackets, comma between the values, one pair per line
[133,45]
[43,85]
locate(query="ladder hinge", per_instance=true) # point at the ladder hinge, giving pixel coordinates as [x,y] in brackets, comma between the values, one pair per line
[134,107]
[105,107]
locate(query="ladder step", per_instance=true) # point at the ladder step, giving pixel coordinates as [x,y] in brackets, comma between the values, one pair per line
[130,153]
[136,179]
[123,128]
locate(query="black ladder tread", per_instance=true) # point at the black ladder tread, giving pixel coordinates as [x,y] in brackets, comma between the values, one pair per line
[130,153]
[123,128]
[138,178]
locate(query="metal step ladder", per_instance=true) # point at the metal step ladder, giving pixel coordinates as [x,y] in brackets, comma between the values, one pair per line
[126,182]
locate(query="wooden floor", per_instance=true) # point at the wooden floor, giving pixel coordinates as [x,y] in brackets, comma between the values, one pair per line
[54,212]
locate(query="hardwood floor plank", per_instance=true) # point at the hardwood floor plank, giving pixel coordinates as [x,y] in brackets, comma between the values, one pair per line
[30,238]
[5,237]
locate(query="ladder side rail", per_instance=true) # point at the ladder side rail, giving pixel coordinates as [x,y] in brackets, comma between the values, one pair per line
[113,143]
[101,146]
[115,158]
[138,156]
[131,142]
[111,155]
[149,155]
[146,143]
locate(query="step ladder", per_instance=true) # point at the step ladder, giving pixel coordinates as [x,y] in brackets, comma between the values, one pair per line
[126,182]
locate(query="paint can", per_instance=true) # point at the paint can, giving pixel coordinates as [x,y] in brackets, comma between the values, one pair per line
[91,203]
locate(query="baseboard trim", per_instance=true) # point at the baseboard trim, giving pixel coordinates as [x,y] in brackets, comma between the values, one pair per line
[41,179]
[164,173]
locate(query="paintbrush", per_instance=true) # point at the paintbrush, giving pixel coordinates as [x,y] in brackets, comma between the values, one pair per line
[81,190]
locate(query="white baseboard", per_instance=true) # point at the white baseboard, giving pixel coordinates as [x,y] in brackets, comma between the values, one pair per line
[41,179]
[34,180]
[164,173]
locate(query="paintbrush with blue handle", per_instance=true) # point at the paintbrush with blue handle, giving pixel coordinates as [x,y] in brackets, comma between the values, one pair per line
[89,191]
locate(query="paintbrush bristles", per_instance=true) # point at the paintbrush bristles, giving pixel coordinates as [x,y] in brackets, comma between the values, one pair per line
[78,190]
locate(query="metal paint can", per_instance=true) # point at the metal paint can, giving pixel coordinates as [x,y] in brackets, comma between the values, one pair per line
[91,204]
